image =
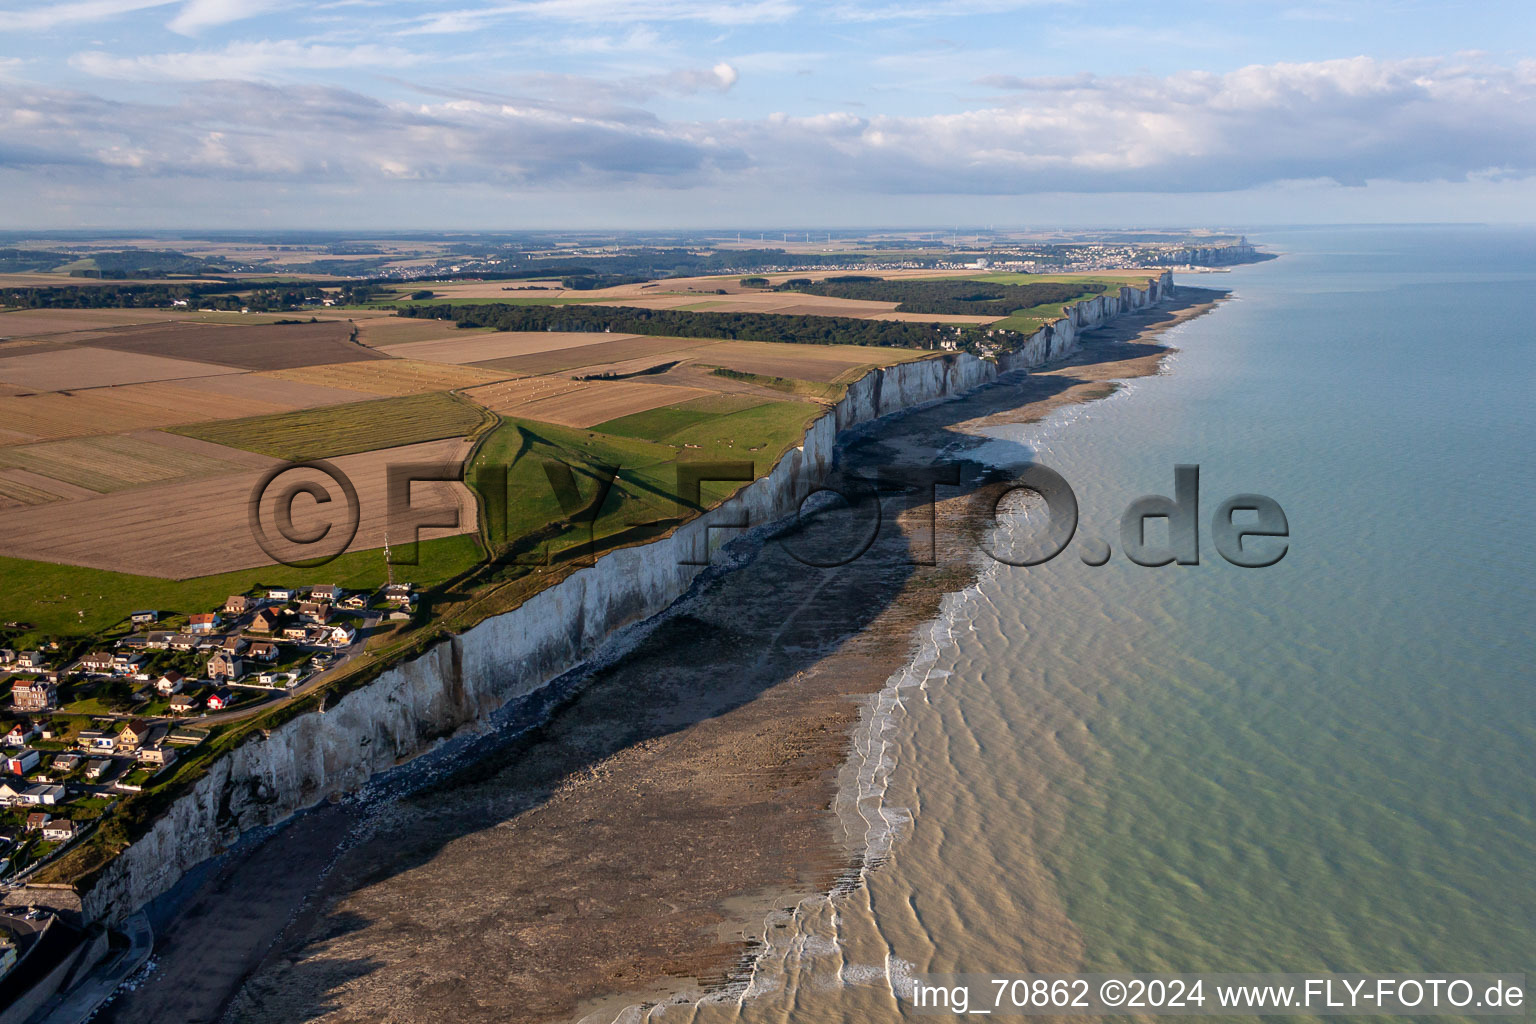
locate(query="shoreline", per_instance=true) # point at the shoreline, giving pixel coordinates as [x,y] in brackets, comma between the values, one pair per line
[734,785]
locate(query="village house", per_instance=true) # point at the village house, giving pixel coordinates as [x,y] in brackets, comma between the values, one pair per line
[234,645]
[171,682]
[315,611]
[133,735]
[20,733]
[156,754]
[30,659]
[144,618]
[265,621]
[263,652]
[61,830]
[280,594]
[96,739]
[97,663]
[400,593]
[224,665]
[355,602]
[7,655]
[66,763]
[203,622]
[329,592]
[34,695]
[341,636]
[238,604]
[124,663]
[19,762]
[97,768]
[43,796]
[298,632]
[37,819]
[10,791]
[183,704]
[182,642]
[220,699]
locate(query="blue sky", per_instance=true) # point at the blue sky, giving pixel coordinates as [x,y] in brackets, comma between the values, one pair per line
[599,113]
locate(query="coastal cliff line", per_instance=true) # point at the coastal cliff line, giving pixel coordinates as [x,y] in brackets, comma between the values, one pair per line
[460,681]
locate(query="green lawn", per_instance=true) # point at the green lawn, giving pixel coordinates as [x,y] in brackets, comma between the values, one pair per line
[345,429]
[49,595]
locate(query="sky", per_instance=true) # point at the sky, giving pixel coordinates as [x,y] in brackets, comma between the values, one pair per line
[507,114]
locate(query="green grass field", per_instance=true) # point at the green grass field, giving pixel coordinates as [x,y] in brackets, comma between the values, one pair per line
[646,449]
[345,429]
[51,596]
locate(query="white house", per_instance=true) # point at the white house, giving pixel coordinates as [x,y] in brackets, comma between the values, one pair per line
[44,796]
[22,761]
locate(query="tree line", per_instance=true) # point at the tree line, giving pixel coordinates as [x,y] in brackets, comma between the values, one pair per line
[679,323]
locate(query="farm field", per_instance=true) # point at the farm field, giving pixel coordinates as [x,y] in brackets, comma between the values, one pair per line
[79,367]
[482,346]
[194,527]
[113,462]
[806,362]
[26,323]
[19,323]
[261,347]
[271,390]
[23,487]
[58,414]
[603,356]
[381,331]
[343,430]
[388,377]
[599,400]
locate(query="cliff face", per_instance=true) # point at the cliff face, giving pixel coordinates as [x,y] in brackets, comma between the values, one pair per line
[460,681]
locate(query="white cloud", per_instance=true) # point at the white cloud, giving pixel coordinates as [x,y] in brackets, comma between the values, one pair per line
[242,60]
[750,12]
[196,15]
[34,16]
